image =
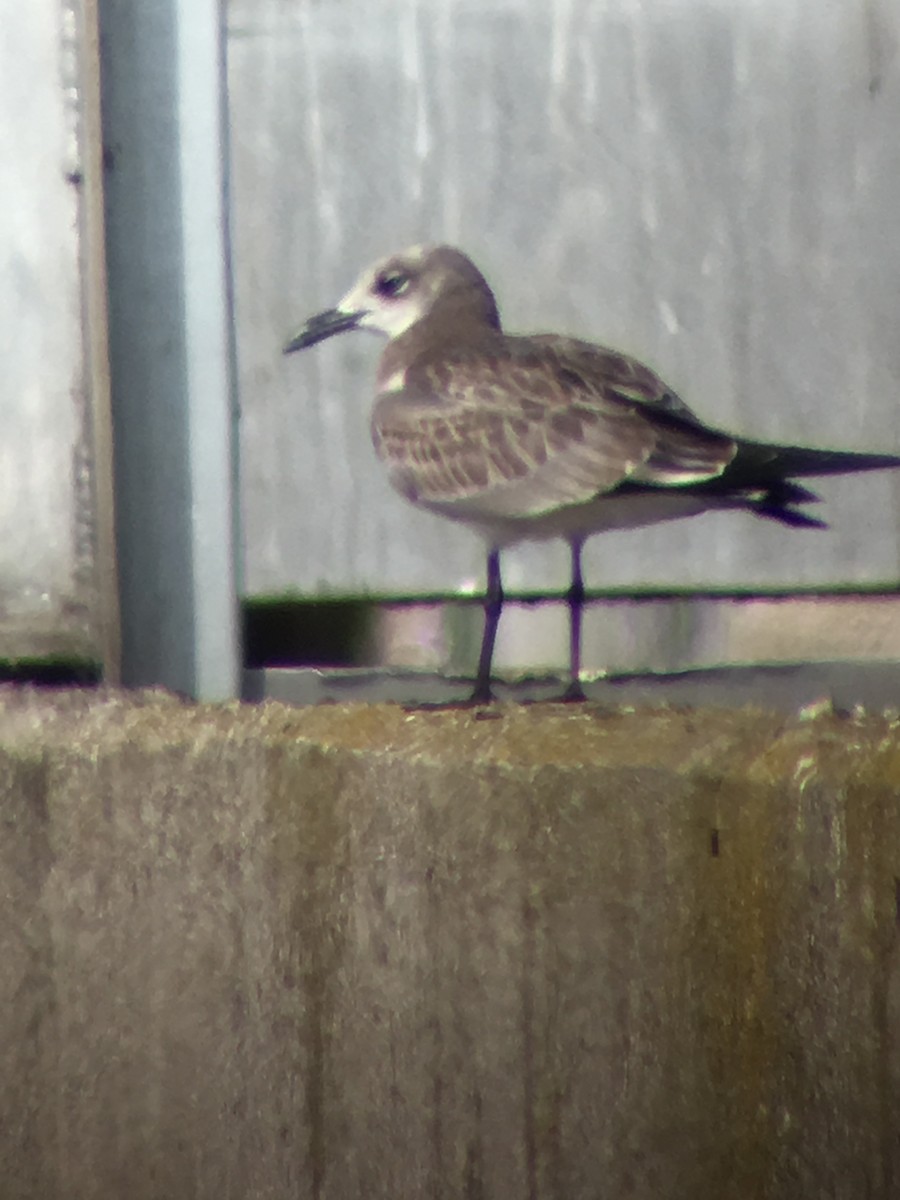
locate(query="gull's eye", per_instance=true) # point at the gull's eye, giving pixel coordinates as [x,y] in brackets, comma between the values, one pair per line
[392,283]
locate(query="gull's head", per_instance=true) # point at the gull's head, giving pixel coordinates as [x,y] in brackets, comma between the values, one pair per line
[396,293]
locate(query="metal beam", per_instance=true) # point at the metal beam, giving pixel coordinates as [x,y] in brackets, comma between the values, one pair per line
[171,344]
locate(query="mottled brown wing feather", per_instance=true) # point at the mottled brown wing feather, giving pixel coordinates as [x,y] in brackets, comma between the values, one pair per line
[535,424]
[685,450]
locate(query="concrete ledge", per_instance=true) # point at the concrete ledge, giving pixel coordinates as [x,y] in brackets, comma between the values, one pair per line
[351,951]
[782,687]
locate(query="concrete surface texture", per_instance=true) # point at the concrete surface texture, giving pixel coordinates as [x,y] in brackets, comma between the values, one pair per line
[354,950]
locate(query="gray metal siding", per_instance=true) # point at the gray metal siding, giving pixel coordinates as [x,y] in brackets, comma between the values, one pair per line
[711,186]
[55,512]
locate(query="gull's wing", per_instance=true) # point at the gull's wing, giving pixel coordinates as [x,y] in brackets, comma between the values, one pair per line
[519,426]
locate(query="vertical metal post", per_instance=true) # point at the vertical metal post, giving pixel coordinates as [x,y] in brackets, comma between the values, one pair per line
[164,105]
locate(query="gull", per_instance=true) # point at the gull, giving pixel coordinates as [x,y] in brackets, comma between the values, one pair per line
[543,436]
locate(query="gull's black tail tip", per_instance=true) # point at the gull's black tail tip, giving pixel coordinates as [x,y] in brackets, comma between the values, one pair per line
[798,460]
[771,471]
[795,517]
[779,501]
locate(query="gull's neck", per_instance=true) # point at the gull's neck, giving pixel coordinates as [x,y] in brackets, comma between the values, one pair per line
[463,317]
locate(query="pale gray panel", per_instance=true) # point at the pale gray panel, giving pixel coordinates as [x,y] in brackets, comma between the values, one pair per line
[712,186]
[49,604]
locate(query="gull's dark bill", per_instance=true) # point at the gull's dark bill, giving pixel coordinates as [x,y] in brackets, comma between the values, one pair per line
[320,327]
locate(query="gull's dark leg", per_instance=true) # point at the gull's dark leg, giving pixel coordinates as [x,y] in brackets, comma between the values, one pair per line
[493,603]
[575,601]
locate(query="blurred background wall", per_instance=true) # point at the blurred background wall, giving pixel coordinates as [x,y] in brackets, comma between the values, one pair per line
[708,185]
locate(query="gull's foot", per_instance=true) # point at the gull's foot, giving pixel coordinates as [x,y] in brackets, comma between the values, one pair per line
[574,694]
[482,694]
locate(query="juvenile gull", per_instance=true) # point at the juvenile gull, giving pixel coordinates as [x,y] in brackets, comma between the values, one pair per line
[525,438]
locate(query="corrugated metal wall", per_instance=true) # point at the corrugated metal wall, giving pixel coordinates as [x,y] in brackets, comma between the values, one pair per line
[57,590]
[712,186]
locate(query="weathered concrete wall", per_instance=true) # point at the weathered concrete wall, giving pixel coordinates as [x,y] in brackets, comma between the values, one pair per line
[359,952]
